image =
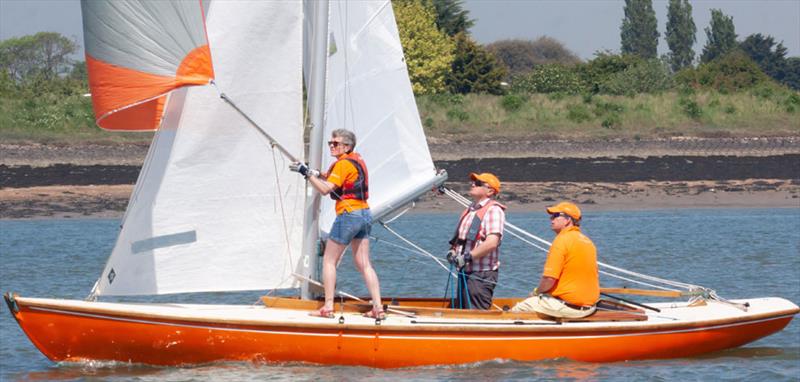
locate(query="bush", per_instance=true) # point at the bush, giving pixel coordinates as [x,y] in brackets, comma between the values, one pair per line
[691,108]
[457,115]
[611,121]
[650,76]
[551,78]
[512,102]
[603,108]
[447,99]
[730,73]
[792,102]
[602,67]
[578,113]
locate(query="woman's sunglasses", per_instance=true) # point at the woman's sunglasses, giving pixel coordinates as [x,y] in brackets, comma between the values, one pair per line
[335,143]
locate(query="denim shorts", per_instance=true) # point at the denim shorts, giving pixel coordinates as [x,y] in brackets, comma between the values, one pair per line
[351,225]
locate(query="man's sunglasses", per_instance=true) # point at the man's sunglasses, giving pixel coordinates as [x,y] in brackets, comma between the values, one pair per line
[478,183]
[554,216]
[335,143]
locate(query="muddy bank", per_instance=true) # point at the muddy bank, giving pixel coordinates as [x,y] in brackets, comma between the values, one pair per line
[442,148]
[109,201]
[629,169]
[619,169]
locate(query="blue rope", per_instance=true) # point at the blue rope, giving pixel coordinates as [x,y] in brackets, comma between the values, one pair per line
[449,287]
[463,296]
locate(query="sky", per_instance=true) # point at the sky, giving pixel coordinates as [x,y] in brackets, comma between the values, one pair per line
[584,26]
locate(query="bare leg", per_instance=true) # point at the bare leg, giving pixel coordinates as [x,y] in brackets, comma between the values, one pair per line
[361,255]
[333,251]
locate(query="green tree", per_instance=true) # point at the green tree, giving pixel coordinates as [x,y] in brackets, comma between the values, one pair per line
[428,51]
[639,30]
[474,69]
[721,36]
[45,55]
[792,77]
[451,17]
[769,57]
[681,34]
[521,56]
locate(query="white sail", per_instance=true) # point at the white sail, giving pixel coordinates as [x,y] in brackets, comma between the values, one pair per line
[370,94]
[215,208]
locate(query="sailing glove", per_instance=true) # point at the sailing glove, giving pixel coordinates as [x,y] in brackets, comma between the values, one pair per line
[303,169]
[451,256]
[459,261]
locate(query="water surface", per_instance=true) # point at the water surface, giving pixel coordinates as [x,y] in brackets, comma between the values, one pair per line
[740,253]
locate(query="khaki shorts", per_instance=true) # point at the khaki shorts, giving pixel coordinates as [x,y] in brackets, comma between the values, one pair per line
[550,306]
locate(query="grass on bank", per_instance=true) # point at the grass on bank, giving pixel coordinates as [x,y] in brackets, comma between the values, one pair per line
[555,116]
[55,118]
[49,118]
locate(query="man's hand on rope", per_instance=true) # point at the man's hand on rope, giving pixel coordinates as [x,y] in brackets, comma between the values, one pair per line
[458,260]
[451,256]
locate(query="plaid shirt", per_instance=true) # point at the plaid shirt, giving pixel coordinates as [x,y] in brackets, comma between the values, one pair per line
[493,222]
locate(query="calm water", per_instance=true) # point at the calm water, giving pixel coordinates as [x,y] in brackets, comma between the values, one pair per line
[739,252]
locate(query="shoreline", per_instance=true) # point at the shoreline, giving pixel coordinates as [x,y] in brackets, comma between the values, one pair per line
[110,201]
[95,180]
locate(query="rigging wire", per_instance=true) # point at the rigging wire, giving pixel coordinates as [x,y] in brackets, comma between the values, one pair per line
[464,201]
[283,220]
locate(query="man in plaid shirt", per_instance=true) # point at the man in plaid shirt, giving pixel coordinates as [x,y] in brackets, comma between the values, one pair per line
[475,247]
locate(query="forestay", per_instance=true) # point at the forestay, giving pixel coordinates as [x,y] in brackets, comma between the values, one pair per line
[215,209]
[369,93]
[136,52]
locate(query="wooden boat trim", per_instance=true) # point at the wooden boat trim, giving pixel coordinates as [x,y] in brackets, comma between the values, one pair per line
[391,325]
[645,292]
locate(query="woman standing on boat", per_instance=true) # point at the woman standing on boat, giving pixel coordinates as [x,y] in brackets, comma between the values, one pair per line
[347,182]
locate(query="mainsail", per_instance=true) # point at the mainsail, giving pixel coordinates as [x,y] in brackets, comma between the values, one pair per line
[138,51]
[215,207]
[369,93]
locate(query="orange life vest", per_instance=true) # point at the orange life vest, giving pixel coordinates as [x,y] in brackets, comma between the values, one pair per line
[359,189]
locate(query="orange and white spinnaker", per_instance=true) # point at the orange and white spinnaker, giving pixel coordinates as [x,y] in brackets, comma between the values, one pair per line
[137,52]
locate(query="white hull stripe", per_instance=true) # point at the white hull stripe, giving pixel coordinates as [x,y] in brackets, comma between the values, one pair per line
[399,337]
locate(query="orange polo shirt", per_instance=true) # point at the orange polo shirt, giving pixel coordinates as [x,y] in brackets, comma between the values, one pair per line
[344,171]
[572,260]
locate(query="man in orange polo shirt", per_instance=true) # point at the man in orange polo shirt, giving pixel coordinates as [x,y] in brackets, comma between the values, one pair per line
[570,286]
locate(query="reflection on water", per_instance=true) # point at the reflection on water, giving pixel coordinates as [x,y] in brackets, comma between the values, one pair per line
[731,251]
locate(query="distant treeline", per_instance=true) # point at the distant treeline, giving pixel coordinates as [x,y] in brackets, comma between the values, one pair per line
[443,57]
[42,87]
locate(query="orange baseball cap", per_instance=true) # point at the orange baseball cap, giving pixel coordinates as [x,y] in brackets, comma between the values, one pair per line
[566,207]
[487,178]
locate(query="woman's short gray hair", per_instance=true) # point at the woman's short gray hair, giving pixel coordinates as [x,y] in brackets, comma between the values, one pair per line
[348,137]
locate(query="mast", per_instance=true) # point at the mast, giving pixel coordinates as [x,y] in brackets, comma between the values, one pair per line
[316,106]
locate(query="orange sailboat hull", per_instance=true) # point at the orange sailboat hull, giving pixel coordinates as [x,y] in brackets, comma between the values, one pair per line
[76,334]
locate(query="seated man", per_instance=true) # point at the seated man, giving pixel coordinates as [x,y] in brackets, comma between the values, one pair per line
[570,286]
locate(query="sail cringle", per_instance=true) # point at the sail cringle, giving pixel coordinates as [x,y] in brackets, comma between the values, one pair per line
[137,52]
